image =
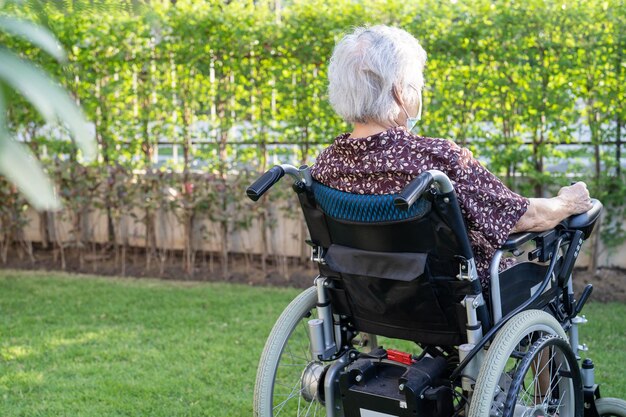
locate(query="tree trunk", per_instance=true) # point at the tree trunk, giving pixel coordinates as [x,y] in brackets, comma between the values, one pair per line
[263,216]
[4,250]
[224,230]
[593,120]
[150,242]
[538,162]
[43,229]
[224,203]
[595,248]
[188,191]
[618,147]
[78,242]
[59,243]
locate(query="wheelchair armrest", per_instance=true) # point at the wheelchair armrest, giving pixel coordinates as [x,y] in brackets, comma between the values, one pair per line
[515,240]
[584,222]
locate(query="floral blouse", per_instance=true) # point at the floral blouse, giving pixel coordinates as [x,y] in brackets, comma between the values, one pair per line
[384,163]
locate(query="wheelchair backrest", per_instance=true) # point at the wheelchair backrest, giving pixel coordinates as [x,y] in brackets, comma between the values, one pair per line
[373,223]
[394,272]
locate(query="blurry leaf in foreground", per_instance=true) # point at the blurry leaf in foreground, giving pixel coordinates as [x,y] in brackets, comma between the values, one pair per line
[19,167]
[37,35]
[54,104]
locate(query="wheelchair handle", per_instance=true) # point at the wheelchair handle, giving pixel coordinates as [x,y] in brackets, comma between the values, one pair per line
[273,175]
[413,190]
[265,182]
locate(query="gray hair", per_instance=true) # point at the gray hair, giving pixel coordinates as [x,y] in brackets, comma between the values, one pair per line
[365,67]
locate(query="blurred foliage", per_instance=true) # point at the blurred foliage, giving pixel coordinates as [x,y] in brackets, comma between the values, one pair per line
[237,86]
[18,75]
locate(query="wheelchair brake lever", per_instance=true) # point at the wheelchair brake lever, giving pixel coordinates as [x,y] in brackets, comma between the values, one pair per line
[583,299]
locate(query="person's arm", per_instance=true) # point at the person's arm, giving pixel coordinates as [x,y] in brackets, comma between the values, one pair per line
[545,213]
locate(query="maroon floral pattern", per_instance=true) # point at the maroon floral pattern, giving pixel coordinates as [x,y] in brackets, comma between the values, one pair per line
[384,163]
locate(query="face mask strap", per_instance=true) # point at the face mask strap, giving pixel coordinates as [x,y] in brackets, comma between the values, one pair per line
[405,112]
[419,109]
[411,122]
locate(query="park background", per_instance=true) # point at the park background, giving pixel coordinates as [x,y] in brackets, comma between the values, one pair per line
[190,101]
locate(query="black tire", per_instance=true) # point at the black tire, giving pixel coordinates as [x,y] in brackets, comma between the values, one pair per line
[549,360]
[611,407]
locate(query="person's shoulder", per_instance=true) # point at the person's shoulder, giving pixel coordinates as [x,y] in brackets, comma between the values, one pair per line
[330,153]
[338,141]
[447,143]
[435,144]
[344,137]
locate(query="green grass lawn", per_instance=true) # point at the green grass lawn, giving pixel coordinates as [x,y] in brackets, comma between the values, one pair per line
[84,346]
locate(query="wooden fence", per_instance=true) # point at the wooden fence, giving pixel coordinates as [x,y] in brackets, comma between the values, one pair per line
[285,238]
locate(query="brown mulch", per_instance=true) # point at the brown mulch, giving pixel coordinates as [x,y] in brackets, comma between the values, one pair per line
[609,283]
[241,269]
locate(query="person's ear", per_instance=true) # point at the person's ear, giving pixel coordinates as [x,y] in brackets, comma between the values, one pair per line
[397,95]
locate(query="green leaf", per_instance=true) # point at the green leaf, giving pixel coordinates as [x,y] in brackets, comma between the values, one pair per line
[54,104]
[19,166]
[35,34]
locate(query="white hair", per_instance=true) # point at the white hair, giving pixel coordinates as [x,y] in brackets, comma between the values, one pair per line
[365,67]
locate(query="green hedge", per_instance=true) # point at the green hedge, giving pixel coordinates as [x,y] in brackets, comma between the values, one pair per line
[513,81]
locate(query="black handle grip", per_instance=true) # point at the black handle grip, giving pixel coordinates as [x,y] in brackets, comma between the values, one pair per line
[413,190]
[265,182]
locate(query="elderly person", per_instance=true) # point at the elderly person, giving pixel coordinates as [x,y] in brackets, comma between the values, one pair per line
[375,83]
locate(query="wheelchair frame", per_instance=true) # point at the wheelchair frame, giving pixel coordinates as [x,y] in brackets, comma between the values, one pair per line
[326,337]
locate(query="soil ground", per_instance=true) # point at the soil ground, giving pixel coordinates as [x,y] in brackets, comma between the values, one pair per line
[609,284]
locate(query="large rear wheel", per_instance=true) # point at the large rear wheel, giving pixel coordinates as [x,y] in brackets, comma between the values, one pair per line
[288,381]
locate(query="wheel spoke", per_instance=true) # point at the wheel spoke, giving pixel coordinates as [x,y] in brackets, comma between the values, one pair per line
[291,395]
[305,349]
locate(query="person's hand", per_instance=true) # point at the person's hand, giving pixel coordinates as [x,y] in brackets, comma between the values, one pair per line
[576,198]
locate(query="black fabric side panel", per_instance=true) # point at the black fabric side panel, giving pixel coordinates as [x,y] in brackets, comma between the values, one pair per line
[388,265]
[315,220]
[517,282]
[339,301]
[451,212]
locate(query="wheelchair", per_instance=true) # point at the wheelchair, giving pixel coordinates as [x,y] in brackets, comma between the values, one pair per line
[400,267]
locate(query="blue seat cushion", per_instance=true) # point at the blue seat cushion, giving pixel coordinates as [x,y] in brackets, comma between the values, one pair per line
[364,208]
